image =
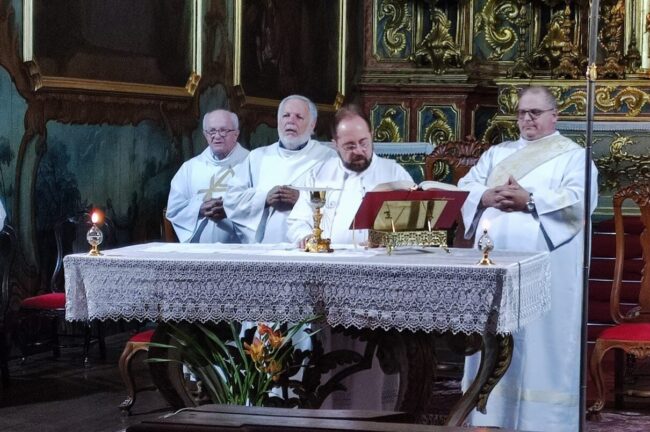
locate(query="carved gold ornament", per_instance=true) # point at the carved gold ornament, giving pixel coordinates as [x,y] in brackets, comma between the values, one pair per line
[438,49]
[499,36]
[388,130]
[397,17]
[438,131]
[620,166]
[611,38]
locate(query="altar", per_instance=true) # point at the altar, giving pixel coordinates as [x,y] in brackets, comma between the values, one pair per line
[413,292]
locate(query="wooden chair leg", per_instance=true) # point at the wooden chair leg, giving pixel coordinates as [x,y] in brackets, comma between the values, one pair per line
[596,373]
[125,370]
[130,350]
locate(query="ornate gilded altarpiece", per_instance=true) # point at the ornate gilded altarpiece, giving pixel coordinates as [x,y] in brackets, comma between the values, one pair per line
[441,70]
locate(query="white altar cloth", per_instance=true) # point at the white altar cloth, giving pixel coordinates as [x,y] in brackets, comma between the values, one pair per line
[412,289]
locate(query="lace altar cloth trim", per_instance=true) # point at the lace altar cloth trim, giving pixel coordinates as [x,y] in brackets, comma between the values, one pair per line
[409,290]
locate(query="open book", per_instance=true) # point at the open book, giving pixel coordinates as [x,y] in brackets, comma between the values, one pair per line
[409,209]
[407,185]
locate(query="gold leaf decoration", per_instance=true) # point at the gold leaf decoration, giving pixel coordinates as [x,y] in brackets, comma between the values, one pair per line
[388,130]
[397,18]
[438,49]
[438,131]
[500,37]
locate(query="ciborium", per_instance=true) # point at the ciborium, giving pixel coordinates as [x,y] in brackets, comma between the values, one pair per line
[317,199]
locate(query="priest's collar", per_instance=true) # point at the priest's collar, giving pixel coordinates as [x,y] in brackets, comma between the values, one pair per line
[225,158]
[300,147]
[525,141]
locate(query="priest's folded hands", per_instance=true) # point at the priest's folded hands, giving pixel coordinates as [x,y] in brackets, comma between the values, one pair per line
[213,209]
[282,198]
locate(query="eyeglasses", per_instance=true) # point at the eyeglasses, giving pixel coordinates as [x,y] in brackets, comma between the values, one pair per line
[221,132]
[351,146]
[534,113]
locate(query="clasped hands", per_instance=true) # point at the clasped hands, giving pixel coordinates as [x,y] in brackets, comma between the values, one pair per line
[282,198]
[508,197]
[213,209]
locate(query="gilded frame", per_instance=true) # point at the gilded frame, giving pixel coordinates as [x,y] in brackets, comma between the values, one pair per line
[341,44]
[55,83]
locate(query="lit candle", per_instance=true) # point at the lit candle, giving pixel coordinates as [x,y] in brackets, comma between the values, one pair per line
[486,224]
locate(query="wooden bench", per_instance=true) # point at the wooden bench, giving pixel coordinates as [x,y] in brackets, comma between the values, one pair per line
[229,418]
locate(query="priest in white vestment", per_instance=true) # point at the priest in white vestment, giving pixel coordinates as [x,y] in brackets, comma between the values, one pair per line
[261,195]
[530,193]
[356,171]
[195,205]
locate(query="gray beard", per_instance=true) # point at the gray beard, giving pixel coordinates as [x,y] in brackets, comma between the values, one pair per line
[293,143]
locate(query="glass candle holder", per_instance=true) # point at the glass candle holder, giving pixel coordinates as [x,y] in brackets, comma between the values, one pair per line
[94,235]
[485,245]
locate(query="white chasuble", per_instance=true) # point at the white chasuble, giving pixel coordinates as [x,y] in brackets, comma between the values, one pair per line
[201,178]
[265,168]
[369,389]
[341,204]
[540,389]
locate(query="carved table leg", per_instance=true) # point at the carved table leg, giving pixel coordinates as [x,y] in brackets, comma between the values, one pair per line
[496,354]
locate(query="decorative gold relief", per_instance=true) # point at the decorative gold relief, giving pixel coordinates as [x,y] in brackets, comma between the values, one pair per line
[397,16]
[438,48]
[629,100]
[569,58]
[611,38]
[577,99]
[620,166]
[632,98]
[522,67]
[388,130]
[438,131]
[500,37]
[548,52]
[508,100]
[500,130]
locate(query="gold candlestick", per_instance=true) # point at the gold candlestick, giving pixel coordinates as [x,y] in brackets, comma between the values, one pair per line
[94,235]
[485,245]
[316,243]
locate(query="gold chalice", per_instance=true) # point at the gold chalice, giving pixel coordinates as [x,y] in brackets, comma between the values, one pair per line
[317,199]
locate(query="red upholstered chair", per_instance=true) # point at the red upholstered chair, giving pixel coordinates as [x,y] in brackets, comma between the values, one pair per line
[631,333]
[70,237]
[8,247]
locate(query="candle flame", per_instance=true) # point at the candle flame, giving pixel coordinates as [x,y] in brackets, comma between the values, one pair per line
[486,225]
[96,217]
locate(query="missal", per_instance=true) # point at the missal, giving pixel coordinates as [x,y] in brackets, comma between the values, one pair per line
[409,208]
[407,185]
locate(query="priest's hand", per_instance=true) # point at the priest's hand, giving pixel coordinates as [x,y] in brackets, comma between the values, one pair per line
[512,197]
[213,209]
[282,198]
[508,197]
